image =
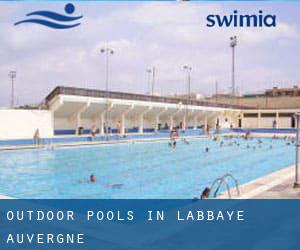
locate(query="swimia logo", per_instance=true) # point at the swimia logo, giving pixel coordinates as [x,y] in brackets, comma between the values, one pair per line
[242,20]
[52,19]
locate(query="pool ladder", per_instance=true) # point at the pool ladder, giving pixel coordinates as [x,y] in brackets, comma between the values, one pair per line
[223,180]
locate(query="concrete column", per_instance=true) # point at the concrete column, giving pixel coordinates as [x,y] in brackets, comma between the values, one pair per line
[171,122]
[141,124]
[184,122]
[101,127]
[195,122]
[205,123]
[258,119]
[156,122]
[142,118]
[77,116]
[78,122]
[123,120]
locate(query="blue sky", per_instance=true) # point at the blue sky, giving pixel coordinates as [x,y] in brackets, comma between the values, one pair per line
[167,35]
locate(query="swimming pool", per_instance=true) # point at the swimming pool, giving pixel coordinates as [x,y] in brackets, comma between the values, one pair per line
[147,170]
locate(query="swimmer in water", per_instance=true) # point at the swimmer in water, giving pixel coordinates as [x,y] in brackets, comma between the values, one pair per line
[117,185]
[248,146]
[92,178]
[207,149]
[185,141]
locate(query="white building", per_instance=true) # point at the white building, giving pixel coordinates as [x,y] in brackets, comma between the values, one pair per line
[70,109]
[74,108]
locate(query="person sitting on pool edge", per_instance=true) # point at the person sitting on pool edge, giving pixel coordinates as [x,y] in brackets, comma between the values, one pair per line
[205,193]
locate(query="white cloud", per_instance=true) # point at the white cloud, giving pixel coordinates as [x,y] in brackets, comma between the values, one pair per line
[167,35]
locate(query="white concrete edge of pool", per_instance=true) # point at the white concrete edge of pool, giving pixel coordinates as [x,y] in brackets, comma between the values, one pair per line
[90,143]
[261,184]
[5,197]
[73,144]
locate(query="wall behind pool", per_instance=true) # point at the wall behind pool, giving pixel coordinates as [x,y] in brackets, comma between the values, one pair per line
[16,123]
[88,138]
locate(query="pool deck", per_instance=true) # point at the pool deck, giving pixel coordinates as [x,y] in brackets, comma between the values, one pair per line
[277,185]
[98,142]
[130,140]
[5,197]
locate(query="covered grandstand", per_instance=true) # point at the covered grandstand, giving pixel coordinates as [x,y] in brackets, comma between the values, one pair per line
[75,108]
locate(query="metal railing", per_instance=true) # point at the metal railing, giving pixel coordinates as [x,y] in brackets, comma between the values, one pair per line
[220,182]
[130,96]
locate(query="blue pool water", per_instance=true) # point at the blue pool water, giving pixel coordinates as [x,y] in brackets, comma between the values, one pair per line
[147,170]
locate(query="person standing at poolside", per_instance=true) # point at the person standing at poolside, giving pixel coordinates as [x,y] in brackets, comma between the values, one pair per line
[36,137]
[93,131]
[119,127]
[172,134]
[104,128]
[274,124]
[207,129]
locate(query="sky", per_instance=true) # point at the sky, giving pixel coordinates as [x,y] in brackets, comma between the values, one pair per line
[144,34]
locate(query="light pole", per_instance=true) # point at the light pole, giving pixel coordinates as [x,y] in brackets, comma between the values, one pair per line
[233,44]
[153,72]
[107,51]
[297,181]
[217,91]
[149,72]
[12,75]
[188,69]
[153,79]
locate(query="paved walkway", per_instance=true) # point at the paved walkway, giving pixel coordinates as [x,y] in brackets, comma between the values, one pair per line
[96,142]
[278,185]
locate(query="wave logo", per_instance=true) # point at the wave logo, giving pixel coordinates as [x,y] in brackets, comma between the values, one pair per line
[53,20]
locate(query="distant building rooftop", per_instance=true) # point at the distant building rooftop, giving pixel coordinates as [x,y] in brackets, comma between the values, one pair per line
[276,91]
[60,90]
